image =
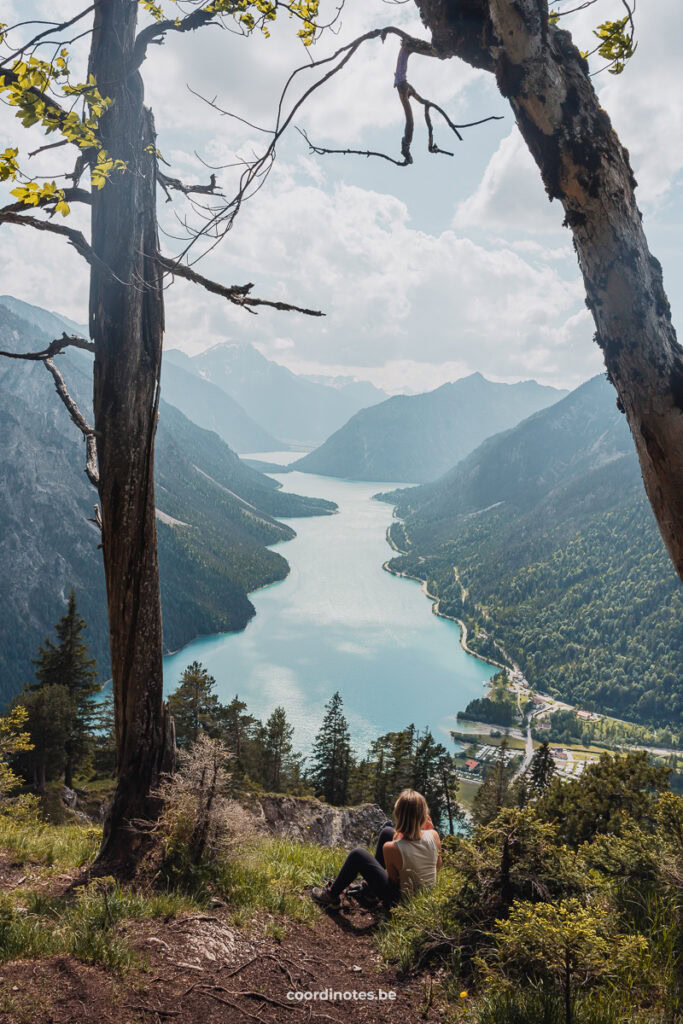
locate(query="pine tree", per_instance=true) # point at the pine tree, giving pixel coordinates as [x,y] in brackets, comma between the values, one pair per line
[377,761]
[401,764]
[434,775]
[541,769]
[67,664]
[362,782]
[447,768]
[281,766]
[235,726]
[193,705]
[494,792]
[49,722]
[332,755]
[105,736]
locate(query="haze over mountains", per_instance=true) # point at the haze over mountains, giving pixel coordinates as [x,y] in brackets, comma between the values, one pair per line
[216,515]
[295,409]
[418,437]
[210,407]
[548,530]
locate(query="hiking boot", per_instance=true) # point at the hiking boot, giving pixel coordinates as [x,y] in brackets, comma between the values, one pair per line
[324,897]
[362,894]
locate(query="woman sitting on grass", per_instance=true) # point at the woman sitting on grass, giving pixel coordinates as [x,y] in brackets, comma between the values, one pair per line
[407,858]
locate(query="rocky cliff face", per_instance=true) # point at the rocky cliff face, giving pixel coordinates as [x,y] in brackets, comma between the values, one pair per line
[308,819]
[290,817]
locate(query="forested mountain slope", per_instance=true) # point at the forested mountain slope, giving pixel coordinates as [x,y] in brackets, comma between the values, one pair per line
[293,408]
[548,530]
[202,402]
[419,437]
[215,517]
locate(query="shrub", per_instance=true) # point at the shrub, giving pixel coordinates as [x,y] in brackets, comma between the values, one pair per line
[200,823]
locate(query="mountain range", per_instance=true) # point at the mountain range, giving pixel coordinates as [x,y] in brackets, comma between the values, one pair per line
[215,515]
[297,410]
[418,437]
[542,540]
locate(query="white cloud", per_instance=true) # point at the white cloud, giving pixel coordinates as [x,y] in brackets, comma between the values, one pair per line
[645,106]
[510,196]
[430,307]
[494,288]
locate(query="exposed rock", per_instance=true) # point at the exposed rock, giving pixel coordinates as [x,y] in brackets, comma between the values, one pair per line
[82,808]
[69,797]
[309,819]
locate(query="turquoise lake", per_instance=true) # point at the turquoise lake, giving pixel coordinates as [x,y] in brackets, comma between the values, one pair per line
[341,622]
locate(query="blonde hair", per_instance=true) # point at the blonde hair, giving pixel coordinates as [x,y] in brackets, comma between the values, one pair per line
[410,814]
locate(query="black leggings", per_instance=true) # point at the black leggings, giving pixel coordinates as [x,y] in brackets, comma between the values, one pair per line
[360,862]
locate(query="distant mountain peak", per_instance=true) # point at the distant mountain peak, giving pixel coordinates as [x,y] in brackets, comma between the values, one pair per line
[417,438]
[288,405]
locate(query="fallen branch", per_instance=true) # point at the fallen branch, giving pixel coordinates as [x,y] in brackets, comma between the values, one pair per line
[264,999]
[150,1009]
[229,1002]
[241,967]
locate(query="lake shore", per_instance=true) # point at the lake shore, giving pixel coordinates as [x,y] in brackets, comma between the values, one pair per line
[442,615]
[338,622]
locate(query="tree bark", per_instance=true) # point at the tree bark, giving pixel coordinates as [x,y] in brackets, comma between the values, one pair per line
[567,989]
[447,793]
[126,324]
[583,164]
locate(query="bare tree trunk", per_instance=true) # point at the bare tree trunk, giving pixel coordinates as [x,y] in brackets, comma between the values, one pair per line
[126,324]
[583,164]
[447,792]
[568,1015]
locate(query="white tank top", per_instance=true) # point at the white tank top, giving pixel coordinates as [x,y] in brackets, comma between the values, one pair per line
[419,857]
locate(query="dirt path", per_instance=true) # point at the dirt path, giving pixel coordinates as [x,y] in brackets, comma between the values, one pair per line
[200,969]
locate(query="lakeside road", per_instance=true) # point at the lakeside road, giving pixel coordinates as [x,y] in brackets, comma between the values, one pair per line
[436,610]
[552,704]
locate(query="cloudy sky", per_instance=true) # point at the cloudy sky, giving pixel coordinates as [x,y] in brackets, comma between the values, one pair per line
[426,273]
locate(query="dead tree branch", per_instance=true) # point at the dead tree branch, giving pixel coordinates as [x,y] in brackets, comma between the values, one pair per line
[177,185]
[80,421]
[46,357]
[239,294]
[55,27]
[154,34]
[219,220]
[406,93]
[74,237]
[54,348]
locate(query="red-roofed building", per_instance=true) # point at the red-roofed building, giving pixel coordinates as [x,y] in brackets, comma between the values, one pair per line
[471,765]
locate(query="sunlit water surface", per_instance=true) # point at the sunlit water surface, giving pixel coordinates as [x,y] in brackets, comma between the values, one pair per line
[340,622]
